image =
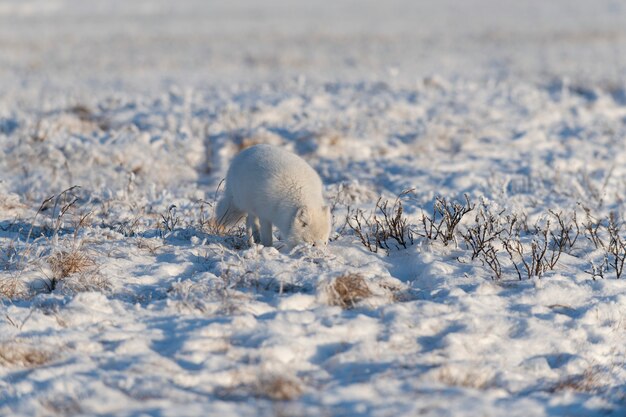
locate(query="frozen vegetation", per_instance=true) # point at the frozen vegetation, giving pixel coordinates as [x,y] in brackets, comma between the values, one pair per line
[473,156]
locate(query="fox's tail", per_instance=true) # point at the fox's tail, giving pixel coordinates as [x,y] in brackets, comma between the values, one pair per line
[226,213]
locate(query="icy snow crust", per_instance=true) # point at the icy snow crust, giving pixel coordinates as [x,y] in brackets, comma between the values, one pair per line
[142,104]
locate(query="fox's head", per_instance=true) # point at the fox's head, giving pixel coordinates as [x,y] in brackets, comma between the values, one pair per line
[311,225]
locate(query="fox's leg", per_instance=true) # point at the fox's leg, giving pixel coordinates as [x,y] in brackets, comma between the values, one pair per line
[252,228]
[266,233]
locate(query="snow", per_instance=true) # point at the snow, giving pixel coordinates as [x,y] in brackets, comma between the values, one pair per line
[521,106]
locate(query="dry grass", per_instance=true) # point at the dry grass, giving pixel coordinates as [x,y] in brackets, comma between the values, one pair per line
[66,263]
[82,282]
[213,227]
[13,288]
[278,387]
[261,383]
[464,378]
[23,355]
[151,245]
[63,406]
[347,290]
[10,202]
[77,270]
[208,223]
[589,382]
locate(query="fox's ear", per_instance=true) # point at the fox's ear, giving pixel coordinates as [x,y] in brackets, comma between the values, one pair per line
[303,216]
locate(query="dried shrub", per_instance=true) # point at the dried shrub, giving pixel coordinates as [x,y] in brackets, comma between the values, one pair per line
[536,262]
[567,232]
[532,251]
[592,229]
[606,235]
[540,258]
[549,239]
[23,355]
[486,229]
[489,257]
[617,246]
[362,226]
[347,290]
[385,228]
[444,220]
[484,235]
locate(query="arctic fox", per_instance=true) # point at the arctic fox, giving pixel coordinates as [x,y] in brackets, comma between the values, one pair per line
[275,187]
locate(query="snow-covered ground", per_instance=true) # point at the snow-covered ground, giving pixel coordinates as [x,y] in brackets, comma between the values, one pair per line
[120,296]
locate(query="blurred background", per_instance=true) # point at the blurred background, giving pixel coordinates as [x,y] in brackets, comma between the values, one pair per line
[123,44]
[161,94]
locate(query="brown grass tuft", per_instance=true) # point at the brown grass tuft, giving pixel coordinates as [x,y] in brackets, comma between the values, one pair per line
[77,271]
[208,222]
[463,378]
[64,264]
[278,387]
[347,290]
[22,355]
[12,288]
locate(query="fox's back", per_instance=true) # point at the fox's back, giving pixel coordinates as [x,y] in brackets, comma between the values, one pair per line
[265,173]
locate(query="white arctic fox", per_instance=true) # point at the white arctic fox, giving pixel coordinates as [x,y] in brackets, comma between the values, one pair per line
[273,186]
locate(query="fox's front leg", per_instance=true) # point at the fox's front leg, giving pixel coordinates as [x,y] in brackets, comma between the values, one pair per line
[266,233]
[252,229]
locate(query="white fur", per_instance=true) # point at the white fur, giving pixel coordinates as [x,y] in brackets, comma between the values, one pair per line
[275,187]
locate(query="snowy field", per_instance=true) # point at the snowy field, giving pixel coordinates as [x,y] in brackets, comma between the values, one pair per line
[474,156]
